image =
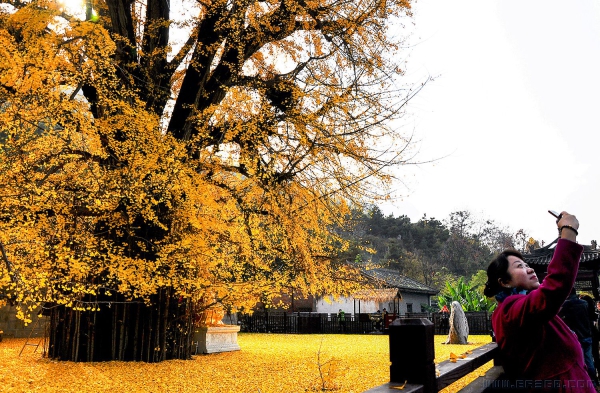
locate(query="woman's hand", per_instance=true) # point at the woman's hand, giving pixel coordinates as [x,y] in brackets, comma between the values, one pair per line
[568,225]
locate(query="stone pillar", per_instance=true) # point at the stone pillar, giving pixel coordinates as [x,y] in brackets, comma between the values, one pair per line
[412,352]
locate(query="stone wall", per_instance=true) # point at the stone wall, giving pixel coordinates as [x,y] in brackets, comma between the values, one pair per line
[14,327]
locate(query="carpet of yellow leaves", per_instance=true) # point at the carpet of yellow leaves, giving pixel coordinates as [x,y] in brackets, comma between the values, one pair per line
[267,363]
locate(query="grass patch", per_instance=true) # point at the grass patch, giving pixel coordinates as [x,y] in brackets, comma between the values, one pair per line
[267,363]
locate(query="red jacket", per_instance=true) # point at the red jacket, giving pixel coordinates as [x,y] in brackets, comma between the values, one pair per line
[537,347]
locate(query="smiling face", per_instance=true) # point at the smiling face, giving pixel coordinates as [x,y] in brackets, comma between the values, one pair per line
[521,275]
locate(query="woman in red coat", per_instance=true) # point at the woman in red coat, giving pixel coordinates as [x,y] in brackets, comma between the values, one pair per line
[539,352]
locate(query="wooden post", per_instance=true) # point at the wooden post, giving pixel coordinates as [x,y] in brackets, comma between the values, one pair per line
[412,352]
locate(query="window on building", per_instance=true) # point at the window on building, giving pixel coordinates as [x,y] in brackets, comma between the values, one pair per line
[409,307]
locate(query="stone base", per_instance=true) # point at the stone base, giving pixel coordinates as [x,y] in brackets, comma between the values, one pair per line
[215,339]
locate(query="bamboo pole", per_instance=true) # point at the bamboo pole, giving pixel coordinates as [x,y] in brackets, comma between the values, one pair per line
[66,339]
[189,329]
[54,329]
[122,332]
[165,326]
[88,340]
[148,341]
[92,333]
[113,342]
[135,333]
[77,322]
[156,340]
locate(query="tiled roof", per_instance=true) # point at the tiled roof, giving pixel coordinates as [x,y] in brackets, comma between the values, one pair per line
[590,259]
[377,295]
[589,265]
[394,279]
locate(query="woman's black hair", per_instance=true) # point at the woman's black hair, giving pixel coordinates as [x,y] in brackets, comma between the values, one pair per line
[498,269]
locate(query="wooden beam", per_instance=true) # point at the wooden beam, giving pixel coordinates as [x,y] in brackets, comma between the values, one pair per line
[395,387]
[490,382]
[450,372]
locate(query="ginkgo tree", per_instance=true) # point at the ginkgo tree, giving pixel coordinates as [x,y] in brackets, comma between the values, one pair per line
[155,163]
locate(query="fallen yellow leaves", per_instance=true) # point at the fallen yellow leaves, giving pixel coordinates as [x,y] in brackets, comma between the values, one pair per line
[454,357]
[401,387]
[445,352]
[267,363]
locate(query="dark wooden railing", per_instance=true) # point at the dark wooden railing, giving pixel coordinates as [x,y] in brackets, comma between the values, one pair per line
[412,362]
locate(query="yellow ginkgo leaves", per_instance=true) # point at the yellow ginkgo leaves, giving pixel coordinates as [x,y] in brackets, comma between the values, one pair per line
[454,357]
[363,364]
[225,169]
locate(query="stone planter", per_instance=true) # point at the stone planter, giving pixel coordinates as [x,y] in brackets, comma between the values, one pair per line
[215,339]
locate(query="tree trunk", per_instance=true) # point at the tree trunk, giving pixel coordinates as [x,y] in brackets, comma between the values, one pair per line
[459,328]
[122,330]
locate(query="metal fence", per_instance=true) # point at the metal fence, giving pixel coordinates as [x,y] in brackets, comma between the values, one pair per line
[275,322]
[304,322]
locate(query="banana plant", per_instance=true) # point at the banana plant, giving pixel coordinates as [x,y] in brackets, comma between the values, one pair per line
[469,298]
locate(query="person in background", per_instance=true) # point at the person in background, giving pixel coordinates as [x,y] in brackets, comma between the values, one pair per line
[445,320]
[377,321]
[538,350]
[342,320]
[593,316]
[385,318]
[575,313]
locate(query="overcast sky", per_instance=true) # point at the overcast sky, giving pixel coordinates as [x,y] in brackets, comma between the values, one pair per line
[514,106]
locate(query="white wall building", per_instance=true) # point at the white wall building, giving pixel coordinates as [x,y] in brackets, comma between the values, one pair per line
[399,294]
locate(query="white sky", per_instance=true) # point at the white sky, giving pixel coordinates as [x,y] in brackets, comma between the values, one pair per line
[515,107]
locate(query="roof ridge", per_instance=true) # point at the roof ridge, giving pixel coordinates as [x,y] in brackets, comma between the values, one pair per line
[398,280]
